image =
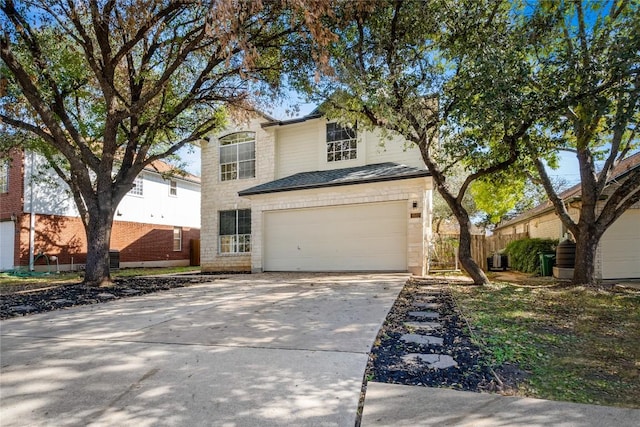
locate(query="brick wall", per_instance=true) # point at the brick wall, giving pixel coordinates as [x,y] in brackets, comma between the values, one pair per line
[11,202]
[140,244]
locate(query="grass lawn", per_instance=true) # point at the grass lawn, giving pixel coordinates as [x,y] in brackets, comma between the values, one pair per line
[580,345]
[11,283]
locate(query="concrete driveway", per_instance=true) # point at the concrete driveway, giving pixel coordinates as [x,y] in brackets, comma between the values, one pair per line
[248,350]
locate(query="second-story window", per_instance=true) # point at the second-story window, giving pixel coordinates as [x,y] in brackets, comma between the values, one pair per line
[341,143]
[137,186]
[173,188]
[238,156]
[4,176]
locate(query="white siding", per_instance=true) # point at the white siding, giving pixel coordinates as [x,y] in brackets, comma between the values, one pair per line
[157,206]
[296,149]
[380,149]
[620,247]
[302,147]
[51,196]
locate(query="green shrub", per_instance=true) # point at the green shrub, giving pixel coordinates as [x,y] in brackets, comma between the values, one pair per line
[524,253]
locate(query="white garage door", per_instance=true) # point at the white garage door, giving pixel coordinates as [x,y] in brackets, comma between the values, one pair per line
[364,237]
[621,247]
[6,245]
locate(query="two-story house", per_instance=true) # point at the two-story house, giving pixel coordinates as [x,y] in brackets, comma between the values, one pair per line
[310,195]
[40,225]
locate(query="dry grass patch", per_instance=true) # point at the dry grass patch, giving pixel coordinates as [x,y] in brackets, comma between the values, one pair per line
[577,344]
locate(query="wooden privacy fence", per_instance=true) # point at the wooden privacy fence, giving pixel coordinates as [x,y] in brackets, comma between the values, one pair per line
[443,250]
[194,252]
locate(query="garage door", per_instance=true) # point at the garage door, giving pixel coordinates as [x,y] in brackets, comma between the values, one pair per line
[6,245]
[621,247]
[364,237]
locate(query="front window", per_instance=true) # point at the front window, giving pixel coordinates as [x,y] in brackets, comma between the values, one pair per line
[341,143]
[4,176]
[235,231]
[177,239]
[137,186]
[238,156]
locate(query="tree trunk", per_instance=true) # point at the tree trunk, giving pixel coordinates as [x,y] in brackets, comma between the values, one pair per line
[586,248]
[98,232]
[464,255]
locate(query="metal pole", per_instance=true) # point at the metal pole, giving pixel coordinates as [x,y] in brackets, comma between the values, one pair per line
[32,216]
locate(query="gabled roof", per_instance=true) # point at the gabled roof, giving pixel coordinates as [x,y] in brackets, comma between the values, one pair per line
[624,167]
[161,167]
[315,114]
[338,177]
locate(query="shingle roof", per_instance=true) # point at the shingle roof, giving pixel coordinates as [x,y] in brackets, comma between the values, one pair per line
[165,168]
[618,172]
[337,177]
[315,114]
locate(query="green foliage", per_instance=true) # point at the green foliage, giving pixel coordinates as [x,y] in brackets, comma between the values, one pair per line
[524,253]
[497,199]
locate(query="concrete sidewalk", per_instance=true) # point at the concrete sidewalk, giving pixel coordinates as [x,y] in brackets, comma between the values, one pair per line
[399,405]
[252,350]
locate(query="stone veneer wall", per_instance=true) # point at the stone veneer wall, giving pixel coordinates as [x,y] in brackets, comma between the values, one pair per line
[410,190]
[219,195]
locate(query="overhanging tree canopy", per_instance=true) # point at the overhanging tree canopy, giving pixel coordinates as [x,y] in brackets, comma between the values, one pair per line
[109,86]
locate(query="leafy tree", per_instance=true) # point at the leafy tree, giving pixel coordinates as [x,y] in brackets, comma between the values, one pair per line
[506,195]
[590,52]
[419,69]
[110,86]
[496,199]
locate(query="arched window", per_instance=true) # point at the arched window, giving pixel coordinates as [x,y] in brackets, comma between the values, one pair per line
[238,156]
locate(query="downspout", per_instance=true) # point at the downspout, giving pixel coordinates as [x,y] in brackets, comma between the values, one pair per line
[32,216]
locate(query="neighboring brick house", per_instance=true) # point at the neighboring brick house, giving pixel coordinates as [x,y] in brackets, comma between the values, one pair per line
[618,255]
[154,224]
[309,195]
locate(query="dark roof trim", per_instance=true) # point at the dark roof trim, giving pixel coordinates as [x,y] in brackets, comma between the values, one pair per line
[250,192]
[573,194]
[313,115]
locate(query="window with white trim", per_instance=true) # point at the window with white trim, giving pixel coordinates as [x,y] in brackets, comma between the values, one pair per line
[137,186]
[235,231]
[177,239]
[4,176]
[173,187]
[342,143]
[238,156]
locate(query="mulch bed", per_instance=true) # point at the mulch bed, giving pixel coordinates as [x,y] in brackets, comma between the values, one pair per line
[474,371]
[58,297]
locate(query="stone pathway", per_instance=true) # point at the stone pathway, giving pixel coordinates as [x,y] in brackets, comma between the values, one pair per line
[429,359]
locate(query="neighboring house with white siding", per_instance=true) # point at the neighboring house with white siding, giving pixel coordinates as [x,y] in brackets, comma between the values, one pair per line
[153,226]
[310,195]
[618,255]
